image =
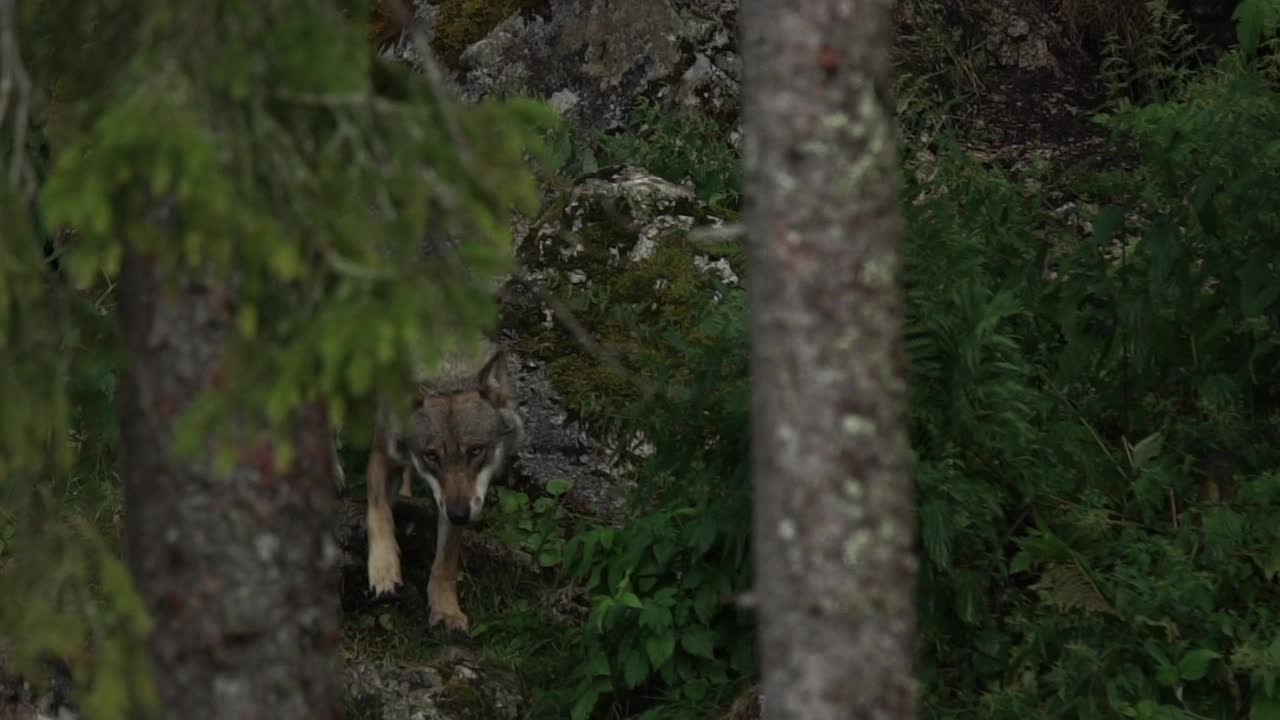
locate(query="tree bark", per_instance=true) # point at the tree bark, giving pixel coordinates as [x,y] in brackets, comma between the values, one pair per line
[236,571]
[834,519]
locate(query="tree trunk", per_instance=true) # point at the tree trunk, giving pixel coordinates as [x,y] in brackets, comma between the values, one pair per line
[236,571]
[834,519]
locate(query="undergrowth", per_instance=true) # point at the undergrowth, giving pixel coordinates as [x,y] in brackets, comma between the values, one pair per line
[690,149]
[1095,445]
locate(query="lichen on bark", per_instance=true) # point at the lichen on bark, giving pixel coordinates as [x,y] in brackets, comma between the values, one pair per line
[830,451]
[235,569]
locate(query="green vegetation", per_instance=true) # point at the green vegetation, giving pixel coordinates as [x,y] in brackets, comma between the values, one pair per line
[1084,557]
[251,142]
[1093,443]
[1094,414]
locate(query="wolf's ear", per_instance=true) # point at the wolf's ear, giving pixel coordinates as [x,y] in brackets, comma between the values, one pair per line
[492,380]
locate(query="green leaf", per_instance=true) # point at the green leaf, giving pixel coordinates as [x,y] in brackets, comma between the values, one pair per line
[664,551]
[655,617]
[1146,450]
[699,642]
[704,604]
[511,501]
[1265,710]
[696,690]
[247,320]
[629,599]
[660,648]
[1105,225]
[635,668]
[936,532]
[585,703]
[1258,289]
[589,162]
[285,261]
[1195,664]
[1270,562]
[559,486]
[1021,561]
[282,454]
[1255,19]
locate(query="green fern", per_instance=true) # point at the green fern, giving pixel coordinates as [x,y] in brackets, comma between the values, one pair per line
[1256,21]
[1116,70]
[1068,587]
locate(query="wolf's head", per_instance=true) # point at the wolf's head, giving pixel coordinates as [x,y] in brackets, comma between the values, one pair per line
[461,437]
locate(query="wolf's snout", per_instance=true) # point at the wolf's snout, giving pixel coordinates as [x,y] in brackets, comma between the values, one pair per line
[459,513]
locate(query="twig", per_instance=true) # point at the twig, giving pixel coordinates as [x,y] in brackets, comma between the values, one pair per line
[443,96]
[15,84]
[351,268]
[571,323]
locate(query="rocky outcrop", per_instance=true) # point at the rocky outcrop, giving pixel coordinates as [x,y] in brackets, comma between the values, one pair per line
[1018,35]
[617,252]
[997,34]
[560,447]
[593,59]
[453,686]
[610,220]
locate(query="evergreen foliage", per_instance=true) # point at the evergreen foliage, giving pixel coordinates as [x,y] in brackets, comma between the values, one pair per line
[263,145]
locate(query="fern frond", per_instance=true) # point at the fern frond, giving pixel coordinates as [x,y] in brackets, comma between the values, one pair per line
[937,529]
[1067,586]
[1116,70]
[1256,20]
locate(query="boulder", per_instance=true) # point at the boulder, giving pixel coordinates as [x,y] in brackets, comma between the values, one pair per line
[453,686]
[593,59]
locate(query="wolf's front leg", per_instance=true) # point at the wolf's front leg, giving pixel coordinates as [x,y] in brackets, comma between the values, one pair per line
[384,553]
[442,593]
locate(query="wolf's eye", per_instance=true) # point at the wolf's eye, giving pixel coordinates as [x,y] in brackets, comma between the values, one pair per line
[475,452]
[431,457]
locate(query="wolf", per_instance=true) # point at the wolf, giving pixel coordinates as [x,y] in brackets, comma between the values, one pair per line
[463,433]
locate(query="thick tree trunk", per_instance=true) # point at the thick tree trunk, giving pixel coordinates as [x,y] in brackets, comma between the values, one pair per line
[235,570]
[834,528]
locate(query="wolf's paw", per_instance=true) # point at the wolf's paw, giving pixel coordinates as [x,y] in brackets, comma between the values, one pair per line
[384,569]
[454,620]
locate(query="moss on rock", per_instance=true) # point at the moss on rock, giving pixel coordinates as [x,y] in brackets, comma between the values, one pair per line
[463,22]
[615,250]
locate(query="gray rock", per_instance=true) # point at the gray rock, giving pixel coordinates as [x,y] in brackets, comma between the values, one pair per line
[595,58]
[1013,34]
[454,686]
[560,448]
[608,224]
[612,218]
[21,700]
